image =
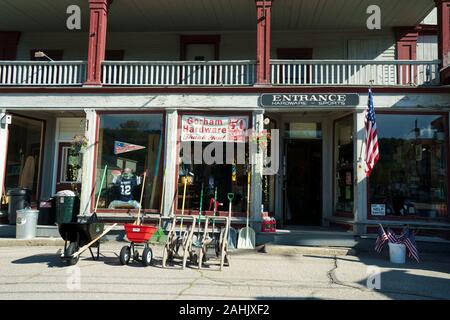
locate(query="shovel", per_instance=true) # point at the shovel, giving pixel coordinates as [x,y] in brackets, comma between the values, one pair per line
[247,235]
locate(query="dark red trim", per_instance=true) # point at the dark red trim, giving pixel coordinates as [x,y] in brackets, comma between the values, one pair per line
[212,113]
[94,171]
[6,160]
[9,41]
[443,10]
[219,90]
[340,213]
[415,218]
[295,53]
[427,30]
[263,12]
[406,44]
[58,184]
[114,55]
[186,40]
[97,135]
[41,152]
[97,40]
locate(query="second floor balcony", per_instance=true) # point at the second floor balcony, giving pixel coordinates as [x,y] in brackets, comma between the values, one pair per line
[218,43]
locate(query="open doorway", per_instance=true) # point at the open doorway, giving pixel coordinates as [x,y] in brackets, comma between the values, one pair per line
[303,182]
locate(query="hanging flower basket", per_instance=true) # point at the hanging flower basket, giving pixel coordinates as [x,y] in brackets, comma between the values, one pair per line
[79,143]
[261,138]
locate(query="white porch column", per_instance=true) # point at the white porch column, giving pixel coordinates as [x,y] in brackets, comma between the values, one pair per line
[3,147]
[87,190]
[360,191]
[170,162]
[256,178]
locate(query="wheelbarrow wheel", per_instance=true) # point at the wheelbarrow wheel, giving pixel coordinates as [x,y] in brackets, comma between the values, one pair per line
[147,256]
[70,251]
[125,255]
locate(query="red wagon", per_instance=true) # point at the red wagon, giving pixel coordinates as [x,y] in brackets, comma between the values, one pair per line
[138,235]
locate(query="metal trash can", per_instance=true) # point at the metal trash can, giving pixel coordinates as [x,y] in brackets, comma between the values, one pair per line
[19,198]
[67,206]
[47,212]
[26,223]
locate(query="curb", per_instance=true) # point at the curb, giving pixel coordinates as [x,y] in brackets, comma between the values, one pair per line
[36,242]
[301,250]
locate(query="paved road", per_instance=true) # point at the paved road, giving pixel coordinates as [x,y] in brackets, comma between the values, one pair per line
[37,273]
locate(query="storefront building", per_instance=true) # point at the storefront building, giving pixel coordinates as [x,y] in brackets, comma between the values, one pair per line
[66,123]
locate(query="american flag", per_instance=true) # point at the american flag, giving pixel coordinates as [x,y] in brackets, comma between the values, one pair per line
[372,152]
[122,147]
[409,240]
[381,240]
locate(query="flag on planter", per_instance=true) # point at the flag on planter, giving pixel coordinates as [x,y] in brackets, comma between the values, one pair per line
[123,147]
[372,152]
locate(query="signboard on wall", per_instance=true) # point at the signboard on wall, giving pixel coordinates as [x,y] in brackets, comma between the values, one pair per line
[378,209]
[214,128]
[308,100]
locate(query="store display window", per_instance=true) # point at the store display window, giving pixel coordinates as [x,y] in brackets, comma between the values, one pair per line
[344,171]
[128,146]
[213,135]
[411,178]
[23,160]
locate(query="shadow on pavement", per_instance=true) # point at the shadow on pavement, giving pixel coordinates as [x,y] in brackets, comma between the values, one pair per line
[52,260]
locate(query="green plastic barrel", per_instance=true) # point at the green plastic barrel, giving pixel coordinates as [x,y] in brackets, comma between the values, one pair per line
[66,209]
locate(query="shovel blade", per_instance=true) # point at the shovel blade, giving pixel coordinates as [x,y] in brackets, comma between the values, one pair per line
[232,237]
[246,238]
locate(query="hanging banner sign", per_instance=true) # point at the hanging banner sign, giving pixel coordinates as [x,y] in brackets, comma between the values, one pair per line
[307,100]
[209,129]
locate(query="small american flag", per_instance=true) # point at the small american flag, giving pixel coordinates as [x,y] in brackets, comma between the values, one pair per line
[381,240]
[372,152]
[409,240]
[122,147]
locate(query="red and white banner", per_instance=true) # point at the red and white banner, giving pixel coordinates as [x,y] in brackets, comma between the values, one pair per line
[214,129]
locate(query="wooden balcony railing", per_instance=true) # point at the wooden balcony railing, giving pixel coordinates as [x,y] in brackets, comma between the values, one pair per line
[354,72]
[42,73]
[179,73]
[224,73]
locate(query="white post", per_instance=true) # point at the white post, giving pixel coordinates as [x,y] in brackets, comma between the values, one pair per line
[87,190]
[170,163]
[257,169]
[360,191]
[3,147]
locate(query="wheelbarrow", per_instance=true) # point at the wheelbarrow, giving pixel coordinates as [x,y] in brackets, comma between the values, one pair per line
[138,235]
[81,236]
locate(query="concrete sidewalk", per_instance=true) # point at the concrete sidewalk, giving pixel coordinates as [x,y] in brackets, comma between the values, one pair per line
[38,273]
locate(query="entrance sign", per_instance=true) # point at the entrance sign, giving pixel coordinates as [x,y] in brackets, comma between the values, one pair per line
[306,100]
[214,129]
